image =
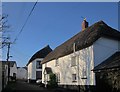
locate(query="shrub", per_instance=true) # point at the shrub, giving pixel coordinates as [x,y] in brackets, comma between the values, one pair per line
[52,83]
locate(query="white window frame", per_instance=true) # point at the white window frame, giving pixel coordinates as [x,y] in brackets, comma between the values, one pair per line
[56,62]
[57,77]
[74,77]
[73,61]
[38,66]
[84,73]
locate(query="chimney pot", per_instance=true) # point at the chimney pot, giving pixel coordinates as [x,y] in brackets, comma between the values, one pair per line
[84,24]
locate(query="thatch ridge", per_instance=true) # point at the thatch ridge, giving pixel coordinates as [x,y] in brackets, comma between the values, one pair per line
[40,54]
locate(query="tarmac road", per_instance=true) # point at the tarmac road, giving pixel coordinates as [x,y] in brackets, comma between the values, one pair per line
[21,86]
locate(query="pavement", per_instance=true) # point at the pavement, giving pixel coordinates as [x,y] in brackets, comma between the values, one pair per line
[21,86]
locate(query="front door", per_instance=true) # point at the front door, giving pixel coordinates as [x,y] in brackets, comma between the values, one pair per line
[38,75]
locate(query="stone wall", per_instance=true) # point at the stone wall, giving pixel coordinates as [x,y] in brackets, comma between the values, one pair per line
[108,81]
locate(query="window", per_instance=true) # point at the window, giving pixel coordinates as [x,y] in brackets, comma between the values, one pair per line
[73,61]
[38,74]
[38,65]
[84,73]
[56,62]
[57,77]
[74,78]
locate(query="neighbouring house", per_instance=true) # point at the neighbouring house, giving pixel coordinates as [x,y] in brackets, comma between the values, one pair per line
[12,67]
[22,73]
[108,74]
[4,74]
[34,65]
[0,76]
[4,71]
[73,60]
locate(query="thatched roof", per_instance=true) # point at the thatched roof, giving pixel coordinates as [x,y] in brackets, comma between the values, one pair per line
[83,39]
[110,63]
[41,53]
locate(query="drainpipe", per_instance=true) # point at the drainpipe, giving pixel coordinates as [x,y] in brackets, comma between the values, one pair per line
[45,76]
[77,58]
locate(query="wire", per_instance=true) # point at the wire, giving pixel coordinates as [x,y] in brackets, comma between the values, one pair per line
[25,22]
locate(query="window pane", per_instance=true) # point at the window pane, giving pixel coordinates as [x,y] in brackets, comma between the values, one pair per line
[73,61]
[38,65]
[57,77]
[74,78]
[56,62]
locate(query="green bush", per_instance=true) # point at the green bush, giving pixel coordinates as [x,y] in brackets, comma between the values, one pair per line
[52,83]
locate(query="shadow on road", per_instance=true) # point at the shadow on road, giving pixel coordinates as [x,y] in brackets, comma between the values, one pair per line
[20,86]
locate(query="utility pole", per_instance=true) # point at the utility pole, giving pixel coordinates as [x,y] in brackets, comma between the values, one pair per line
[8,52]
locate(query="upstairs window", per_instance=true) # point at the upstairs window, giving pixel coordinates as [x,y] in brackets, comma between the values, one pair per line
[38,65]
[73,61]
[84,73]
[56,62]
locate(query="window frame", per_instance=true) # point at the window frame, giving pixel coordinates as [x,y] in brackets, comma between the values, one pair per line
[56,62]
[58,77]
[73,61]
[84,73]
[38,65]
[74,77]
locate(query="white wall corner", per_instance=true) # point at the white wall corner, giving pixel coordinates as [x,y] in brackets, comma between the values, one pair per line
[118,45]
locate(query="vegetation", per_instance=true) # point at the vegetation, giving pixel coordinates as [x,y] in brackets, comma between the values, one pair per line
[3,30]
[52,83]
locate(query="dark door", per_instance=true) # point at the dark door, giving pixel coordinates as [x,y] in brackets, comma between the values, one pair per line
[38,75]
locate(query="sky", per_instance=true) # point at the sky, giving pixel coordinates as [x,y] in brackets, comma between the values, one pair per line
[51,23]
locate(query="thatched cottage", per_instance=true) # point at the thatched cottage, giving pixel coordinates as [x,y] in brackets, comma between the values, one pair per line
[34,67]
[73,60]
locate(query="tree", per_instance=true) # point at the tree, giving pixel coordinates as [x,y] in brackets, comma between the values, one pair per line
[3,29]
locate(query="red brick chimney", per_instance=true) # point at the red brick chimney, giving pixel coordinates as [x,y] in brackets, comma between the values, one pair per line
[84,24]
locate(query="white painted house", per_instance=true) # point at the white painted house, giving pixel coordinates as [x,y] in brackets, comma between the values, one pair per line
[21,73]
[34,65]
[4,72]
[74,60]
[0,76]
[13,68]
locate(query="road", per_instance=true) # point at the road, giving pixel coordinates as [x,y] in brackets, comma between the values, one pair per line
[21,86]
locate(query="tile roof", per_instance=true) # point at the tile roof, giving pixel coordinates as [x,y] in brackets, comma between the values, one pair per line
[112,62]
[83,39]
[11,63]
[41,53]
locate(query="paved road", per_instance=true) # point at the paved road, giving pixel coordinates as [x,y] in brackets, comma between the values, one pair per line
[21,86]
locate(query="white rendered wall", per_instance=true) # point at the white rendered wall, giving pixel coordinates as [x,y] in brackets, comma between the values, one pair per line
[119,45]
[92,55]
[21,73]
[0,76]
[13,70]
[32,69]
[66,70]
[103,49]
